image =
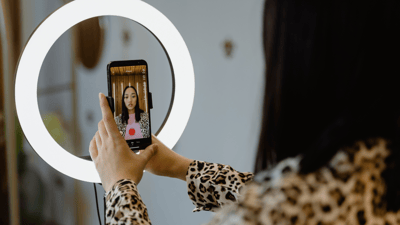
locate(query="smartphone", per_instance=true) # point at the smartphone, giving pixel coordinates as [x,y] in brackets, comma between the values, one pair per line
[130,101]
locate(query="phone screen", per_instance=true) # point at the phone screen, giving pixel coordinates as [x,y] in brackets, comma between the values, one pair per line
[128,84]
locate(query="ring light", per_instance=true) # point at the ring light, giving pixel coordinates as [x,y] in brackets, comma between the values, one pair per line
[51,29]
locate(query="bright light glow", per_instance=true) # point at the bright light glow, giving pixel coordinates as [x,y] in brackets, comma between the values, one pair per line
[44,37]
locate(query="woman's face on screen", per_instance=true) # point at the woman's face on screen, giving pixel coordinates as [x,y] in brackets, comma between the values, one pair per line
[130,98]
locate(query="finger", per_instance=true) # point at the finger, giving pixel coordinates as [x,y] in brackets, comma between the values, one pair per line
[102,130]
[155,140]
[149,152]
[108,118]
[93,149]
[98,141]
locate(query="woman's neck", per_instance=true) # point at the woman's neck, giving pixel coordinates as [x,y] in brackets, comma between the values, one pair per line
[132,111]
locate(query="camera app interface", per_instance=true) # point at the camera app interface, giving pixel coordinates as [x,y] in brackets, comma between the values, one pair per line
[129,91]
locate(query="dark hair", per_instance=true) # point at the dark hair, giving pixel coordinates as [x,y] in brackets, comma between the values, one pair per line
[125,113]
[330,81]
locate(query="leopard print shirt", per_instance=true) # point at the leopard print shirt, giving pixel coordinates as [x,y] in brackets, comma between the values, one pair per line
[124,204]
[144,124]
[346,191]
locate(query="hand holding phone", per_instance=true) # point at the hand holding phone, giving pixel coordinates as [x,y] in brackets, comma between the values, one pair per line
[111,154]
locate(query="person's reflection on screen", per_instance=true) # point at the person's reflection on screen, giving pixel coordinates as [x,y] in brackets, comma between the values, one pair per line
[133,122]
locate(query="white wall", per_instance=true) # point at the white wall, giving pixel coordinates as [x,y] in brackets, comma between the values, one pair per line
[225,121]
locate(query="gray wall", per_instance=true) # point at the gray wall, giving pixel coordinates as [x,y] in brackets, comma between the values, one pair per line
[225,121]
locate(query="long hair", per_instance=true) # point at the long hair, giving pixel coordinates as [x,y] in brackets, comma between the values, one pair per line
[331,80]
[125,113]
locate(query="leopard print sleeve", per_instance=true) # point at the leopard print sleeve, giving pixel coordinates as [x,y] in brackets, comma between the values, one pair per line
[212,185]
[121,126]
[124,205]
[144,124]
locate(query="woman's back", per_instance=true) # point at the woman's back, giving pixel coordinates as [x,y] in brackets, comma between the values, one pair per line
[349,190]
[330,82]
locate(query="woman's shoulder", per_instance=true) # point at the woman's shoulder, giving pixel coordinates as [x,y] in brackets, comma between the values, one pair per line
[373,150]
[144,115]
[284,168]
[118,118]
[346,160]
[285,190]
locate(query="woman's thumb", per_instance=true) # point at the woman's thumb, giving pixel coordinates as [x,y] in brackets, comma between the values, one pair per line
[149,152]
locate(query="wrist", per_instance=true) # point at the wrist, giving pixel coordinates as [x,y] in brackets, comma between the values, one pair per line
[109,186]
[180,169]
[118,184]
[116,180]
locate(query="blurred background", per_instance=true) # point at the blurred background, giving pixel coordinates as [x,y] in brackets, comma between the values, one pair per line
[224,39]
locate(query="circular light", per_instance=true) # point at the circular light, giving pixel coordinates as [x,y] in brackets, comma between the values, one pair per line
[51,29]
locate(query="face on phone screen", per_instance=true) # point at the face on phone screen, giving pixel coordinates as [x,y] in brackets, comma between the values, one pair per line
[130,94]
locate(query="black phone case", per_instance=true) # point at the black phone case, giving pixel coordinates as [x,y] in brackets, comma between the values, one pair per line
[143,144]
[111,103]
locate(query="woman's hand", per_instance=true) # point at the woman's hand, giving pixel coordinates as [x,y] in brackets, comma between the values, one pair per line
[167,162]
[113,158]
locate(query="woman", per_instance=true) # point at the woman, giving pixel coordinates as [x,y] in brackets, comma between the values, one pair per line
[330,140]
[133,122]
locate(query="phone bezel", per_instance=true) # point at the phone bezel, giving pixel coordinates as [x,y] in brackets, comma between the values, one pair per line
[136,144]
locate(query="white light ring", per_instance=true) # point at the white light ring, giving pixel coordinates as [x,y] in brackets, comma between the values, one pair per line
[45,36]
